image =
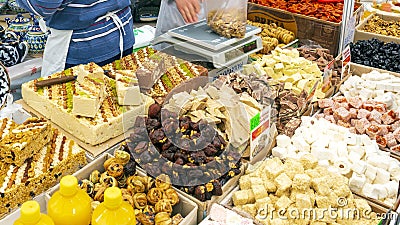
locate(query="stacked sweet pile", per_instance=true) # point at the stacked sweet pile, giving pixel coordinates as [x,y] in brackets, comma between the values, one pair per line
[33,156]
[196,157]
[163,72]
[377,54]
[298,191]
[286,66]
[230,112]
[372,172]
[364,117]
[88,106]
[376,86]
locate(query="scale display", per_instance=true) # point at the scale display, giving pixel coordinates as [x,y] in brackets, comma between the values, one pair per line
[200,33]
[240,51]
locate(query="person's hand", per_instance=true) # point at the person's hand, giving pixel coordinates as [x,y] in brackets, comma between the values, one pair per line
[189,9]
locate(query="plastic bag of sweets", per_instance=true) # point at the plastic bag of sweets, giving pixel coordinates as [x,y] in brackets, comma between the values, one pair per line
[227,18]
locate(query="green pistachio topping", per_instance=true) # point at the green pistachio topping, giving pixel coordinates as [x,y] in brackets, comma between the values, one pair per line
[118,65]
[69,96]
[40,91]
[167,82]
[186,70]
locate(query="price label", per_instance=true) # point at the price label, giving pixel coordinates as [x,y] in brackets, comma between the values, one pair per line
[346,57]
[326,82]
[259,131]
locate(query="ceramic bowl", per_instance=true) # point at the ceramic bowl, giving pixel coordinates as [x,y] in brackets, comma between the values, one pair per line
[13,5]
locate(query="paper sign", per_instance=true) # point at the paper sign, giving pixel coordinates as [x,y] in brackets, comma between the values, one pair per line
[327,78]
[259,131]
[350,29]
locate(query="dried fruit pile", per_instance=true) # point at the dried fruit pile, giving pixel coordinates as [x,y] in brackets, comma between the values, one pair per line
[166,147]
[377,54]
[326,11]
[152,199]
[272,36]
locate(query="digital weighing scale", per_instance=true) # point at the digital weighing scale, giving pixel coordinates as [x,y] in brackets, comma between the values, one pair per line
[198,39]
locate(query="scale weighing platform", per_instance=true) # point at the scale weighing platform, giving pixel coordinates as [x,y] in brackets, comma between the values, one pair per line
[198,39]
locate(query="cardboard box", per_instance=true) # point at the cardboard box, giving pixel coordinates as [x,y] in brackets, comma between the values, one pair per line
[360,34]
[186,207]
[325,33]
[204,207]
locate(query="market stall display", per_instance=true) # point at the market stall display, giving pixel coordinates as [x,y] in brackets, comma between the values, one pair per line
[148,196]
[277,192]
[23,175]
[372,173]
[379,26]
[184,144]
[286,66]
[230,112]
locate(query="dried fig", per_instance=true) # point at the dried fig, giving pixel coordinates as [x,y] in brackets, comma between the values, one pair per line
[154,111]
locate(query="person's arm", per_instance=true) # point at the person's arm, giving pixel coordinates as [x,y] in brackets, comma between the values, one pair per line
[40,7]
[189,9]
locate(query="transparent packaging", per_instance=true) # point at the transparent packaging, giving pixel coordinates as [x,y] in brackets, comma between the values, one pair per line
[227,18]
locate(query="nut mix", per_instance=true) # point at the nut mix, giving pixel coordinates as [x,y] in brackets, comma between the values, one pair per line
[152,199]
[228,23]
[200,173]
[380,26]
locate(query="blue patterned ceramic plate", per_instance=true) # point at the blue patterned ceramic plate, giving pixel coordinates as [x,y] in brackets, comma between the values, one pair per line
[4,85]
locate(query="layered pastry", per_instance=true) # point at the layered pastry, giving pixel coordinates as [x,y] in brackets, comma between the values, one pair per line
[55,102]
[127,85]
[24,141]
[61,156]
[5,126]
[165,71]
[88,95]
[174,76]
